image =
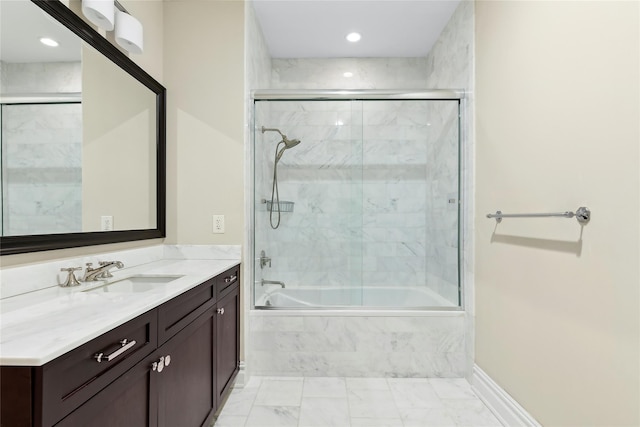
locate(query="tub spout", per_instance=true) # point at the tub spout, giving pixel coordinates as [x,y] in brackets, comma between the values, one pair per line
[271,282]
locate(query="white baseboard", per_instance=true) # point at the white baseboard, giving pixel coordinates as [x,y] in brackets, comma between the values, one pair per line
[504,407]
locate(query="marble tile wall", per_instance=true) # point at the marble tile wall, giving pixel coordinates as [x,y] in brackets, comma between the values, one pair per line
[368,73]
[358,346]
[257,76]
[449,64]
[40,77]
[42,168]
[42,146]
[314,244]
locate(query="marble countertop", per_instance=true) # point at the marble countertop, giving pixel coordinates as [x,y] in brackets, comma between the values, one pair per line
[39,326]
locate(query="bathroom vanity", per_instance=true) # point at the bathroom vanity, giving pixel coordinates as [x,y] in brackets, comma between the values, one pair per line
[133,352]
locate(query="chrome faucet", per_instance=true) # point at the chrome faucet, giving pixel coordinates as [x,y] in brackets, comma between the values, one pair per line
[102,272]
[271,282]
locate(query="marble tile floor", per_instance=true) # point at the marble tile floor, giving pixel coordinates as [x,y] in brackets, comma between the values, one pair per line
[354,402]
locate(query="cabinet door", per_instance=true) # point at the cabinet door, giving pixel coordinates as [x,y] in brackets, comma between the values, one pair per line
[186,395]
[130,401]
[227,341]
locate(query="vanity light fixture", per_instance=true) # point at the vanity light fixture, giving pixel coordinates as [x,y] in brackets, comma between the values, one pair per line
[348,74]
[100,13]
[48,42]
[109,15]
[353,37]
[129,34]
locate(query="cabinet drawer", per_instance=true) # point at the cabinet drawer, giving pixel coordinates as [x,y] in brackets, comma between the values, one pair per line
[76,376]
[227,281]
[128,401]
[175,315]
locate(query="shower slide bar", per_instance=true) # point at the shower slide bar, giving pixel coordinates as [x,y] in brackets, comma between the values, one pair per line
[582,214]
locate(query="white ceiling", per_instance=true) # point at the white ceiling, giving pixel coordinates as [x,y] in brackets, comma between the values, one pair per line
[292,29]
[22,24]
[317,28]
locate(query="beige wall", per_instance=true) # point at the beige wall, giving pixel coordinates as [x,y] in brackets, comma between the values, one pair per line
[557,127]
[151,14]
[204,74]
[118,147]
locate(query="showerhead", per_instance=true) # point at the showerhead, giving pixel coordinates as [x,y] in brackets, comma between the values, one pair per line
[288,143]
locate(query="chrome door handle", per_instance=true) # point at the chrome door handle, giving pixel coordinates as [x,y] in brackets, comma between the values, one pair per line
[220,310]
[161,364]
[158,366]
[230,279]
[126,345]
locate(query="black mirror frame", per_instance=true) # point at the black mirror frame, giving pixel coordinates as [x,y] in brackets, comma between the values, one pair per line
[43,242]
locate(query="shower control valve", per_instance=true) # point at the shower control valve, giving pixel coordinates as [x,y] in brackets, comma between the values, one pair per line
[264,260]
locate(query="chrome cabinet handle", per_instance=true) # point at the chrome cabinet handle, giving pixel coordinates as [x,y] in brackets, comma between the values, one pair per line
[220,310]
[160,364]
[230,279]
[126,345]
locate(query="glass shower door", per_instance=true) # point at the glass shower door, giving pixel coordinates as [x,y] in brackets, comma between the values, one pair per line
[369,203]
[315,249]
[410,192]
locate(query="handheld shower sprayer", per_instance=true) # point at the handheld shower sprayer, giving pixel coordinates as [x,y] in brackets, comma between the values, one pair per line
[275,197]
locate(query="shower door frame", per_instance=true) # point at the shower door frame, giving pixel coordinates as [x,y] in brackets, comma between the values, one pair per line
[464,218]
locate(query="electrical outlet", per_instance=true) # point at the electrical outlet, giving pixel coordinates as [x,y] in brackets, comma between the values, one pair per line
[218,224]
[106,223]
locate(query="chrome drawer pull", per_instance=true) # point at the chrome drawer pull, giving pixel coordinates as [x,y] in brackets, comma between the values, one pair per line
[126,345]
[230,279]
[220,310]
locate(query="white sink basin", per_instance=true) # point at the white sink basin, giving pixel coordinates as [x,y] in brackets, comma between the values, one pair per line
[139,283]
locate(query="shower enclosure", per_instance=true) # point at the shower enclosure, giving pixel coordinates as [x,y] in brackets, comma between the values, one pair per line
[357,199]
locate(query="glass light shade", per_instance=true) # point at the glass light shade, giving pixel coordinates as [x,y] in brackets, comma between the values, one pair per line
[129,34]
[100,13]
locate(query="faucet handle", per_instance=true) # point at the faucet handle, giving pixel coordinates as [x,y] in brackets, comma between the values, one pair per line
[106,273]
[71,278]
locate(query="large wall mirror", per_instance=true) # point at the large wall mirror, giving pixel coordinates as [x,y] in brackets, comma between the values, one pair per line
[83,135]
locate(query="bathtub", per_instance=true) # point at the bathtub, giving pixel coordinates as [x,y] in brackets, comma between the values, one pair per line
[400,332]
[352,297]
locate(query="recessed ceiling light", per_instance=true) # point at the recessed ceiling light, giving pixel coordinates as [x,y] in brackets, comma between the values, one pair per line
[49,42]
[348,74]
[354,37]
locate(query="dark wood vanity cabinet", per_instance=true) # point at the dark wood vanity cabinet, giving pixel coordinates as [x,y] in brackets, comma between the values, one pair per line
[183,364]
[186,395]
[227,346]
